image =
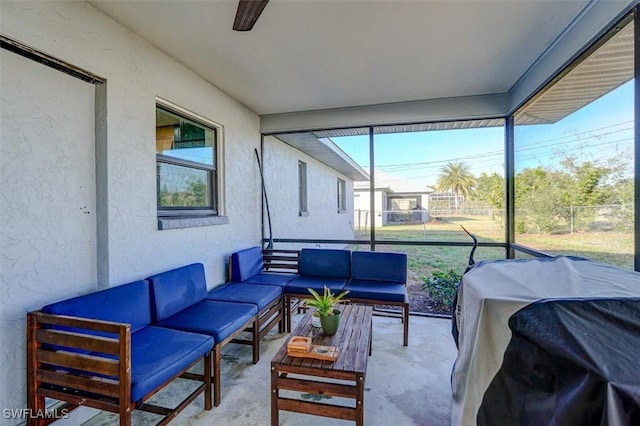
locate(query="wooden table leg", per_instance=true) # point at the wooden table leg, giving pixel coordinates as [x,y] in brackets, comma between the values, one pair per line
[360,400]
[215,359]
[275,419]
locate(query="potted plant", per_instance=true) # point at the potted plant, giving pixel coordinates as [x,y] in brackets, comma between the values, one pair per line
[325,305]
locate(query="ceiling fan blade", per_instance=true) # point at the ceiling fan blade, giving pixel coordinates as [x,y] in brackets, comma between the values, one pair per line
[248,13]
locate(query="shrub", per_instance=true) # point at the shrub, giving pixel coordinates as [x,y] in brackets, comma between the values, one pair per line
[441,287]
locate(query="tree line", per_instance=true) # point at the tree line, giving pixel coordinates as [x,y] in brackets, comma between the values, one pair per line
[545,197]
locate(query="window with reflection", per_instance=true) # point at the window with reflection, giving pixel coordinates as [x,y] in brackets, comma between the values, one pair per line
[185,165]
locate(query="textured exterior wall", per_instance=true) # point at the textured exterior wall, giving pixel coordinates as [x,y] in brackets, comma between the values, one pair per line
[47,212]
[281,181]
[129,245]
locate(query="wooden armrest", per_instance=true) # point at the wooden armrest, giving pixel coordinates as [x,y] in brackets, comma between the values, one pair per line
[79,322]
[68,361]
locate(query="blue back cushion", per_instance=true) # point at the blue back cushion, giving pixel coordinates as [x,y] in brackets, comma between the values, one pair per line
[246,263]
[177,289]
[379,266]
[325,263]
[127,303]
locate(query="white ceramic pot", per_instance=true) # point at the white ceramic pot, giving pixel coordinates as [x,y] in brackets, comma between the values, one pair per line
[315,321]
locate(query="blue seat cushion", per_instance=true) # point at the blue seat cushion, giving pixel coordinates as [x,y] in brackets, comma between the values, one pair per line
[246,263]
[258,294]
[213,318]
[177,289]
[379,266]
[301,285]
[128,303]
[158,354]
[325,263]
[271,278]
[376,290]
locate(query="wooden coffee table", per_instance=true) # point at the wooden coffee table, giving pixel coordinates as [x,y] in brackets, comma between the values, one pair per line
[309,376]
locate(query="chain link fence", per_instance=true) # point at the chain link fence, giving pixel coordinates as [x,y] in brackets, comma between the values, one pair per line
[548,220]
[572,219]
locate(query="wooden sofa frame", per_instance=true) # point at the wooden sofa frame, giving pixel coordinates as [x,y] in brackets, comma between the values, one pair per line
[251,326]
[50,372]
[267,318]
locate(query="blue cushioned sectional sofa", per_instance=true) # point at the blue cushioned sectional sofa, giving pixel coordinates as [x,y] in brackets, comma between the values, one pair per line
[377,278]
[104,350]
[114,349]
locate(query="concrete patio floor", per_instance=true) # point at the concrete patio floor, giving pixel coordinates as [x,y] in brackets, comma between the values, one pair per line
[404,385]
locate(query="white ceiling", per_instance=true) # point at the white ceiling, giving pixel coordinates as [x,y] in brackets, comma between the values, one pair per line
[317,54]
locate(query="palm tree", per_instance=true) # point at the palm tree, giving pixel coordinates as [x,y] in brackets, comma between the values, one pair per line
[457,178]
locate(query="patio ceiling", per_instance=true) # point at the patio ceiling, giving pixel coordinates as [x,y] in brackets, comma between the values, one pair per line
[315,55]
[607,68]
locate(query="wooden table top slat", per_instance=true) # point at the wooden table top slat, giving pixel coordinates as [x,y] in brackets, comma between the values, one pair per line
[351,339]
[365,336]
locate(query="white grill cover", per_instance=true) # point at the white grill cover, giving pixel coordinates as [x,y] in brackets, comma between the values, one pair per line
[494,290]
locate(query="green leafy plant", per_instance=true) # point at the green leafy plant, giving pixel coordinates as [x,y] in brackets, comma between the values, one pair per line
[325,304]
[441,287]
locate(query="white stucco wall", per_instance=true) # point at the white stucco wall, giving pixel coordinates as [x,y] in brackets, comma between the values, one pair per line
[48,193]
[364,204]
[281,181]
[129,245]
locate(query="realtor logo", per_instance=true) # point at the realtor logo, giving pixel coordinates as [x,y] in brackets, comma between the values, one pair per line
[27,413]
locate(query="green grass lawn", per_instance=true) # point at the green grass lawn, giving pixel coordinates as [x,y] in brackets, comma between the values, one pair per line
[610,247]
[615,248]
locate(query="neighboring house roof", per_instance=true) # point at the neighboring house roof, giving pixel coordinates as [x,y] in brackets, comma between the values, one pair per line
[393,184]
[325,151]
